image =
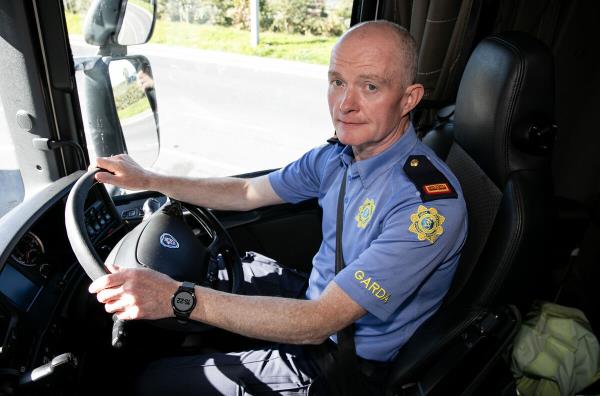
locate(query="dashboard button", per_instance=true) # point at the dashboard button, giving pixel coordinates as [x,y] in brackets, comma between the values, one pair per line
[128,213]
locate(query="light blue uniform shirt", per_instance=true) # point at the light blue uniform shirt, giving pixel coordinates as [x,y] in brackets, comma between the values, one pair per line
[392,271]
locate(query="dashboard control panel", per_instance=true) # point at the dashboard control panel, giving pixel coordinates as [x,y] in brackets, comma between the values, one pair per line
[100,215]
[97,220]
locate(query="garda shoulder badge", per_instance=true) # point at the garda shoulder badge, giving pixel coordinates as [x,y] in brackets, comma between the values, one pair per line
[365,213]
[429,181]
[427,224]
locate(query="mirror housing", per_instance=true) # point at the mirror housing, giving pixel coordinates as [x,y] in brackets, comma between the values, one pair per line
[101,21]
[129,126]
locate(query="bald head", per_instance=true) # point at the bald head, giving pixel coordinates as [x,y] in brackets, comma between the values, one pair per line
[389,38]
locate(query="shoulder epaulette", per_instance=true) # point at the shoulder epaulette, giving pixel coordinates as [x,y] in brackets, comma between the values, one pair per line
[430,182]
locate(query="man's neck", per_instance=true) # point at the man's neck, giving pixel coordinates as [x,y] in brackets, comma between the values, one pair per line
[367,151]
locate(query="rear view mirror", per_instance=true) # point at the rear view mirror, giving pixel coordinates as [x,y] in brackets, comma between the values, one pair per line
[134,94]
[138,22]
[123,22]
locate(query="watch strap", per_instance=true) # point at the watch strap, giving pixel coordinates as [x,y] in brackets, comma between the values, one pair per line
[189,286]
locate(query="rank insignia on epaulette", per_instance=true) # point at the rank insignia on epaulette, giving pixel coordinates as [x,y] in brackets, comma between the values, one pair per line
[439,188]
[427,223]
[429,181]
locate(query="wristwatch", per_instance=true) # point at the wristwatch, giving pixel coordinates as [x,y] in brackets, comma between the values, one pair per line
[184,301]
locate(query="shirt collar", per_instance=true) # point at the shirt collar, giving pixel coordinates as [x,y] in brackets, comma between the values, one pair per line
[370,168]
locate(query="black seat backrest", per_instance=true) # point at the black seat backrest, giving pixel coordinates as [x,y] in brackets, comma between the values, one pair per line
[505,97]
[497,150]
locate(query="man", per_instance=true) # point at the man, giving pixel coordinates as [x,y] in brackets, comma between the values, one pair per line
[404,223]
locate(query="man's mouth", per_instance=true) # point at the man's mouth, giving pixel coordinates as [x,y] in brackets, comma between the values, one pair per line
[350,123]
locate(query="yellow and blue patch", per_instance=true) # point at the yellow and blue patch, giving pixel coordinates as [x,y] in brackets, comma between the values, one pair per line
[427,224]
[365,213]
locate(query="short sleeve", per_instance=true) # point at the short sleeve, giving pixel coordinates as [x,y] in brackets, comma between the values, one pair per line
[419,243]
[301,179]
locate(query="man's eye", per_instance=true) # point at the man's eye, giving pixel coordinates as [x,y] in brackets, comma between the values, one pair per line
[337,83]
[371,87]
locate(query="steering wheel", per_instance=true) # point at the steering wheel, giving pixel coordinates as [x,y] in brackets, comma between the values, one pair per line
[163,242]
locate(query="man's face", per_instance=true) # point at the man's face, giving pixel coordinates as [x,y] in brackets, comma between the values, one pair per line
[145,80]
[366,92]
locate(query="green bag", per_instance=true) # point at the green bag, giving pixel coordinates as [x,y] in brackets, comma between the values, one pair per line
[555,352]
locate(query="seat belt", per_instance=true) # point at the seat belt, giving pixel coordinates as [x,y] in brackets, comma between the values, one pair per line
[343,375]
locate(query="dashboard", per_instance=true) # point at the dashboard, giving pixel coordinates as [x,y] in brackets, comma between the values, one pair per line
[45,309]
[44,249]
[25,271]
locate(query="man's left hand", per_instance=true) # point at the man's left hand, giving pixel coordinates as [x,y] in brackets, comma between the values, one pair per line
[135,293]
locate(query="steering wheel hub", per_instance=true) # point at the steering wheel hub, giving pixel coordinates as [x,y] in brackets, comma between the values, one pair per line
[164,243]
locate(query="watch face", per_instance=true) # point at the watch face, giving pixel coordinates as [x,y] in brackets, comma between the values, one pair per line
[183,301]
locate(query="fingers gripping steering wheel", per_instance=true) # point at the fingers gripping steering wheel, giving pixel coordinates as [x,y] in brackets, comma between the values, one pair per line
[163,242]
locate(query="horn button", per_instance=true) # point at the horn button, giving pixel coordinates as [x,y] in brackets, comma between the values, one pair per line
[168,245]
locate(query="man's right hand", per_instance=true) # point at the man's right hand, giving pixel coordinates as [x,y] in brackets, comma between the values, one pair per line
[124,172]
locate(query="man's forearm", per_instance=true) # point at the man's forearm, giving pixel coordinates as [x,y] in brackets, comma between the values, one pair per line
[223,193]
[268,318]
[142,293]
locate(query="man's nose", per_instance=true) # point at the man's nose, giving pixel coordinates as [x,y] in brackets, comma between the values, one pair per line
[348,102]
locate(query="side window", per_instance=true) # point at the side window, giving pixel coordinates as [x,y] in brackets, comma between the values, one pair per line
[224,106]
[11,183]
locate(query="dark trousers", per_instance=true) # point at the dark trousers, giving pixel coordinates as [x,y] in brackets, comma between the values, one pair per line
[276,369]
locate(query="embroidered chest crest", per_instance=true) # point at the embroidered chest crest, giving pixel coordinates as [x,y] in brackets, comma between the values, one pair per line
[365,213]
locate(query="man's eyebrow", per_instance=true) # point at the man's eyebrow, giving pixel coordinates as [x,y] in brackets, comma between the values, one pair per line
[371,77]
[375,77]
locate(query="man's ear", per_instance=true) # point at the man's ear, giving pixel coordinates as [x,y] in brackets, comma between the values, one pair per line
[412,96]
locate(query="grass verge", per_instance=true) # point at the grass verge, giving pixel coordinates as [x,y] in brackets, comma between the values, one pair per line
[302,48]
[134,109]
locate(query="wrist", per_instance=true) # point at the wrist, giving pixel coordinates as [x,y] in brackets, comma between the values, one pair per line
[152,181]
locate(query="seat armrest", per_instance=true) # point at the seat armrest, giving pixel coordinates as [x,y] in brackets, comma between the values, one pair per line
[448,335]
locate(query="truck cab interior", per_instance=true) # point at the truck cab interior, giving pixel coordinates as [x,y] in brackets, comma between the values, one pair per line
[511,89]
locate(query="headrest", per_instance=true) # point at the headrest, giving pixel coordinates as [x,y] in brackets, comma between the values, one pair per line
[505,105]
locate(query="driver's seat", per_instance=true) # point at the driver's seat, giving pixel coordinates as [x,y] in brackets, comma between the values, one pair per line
[498,147]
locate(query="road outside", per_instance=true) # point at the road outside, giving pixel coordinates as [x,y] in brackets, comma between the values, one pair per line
[225,114]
